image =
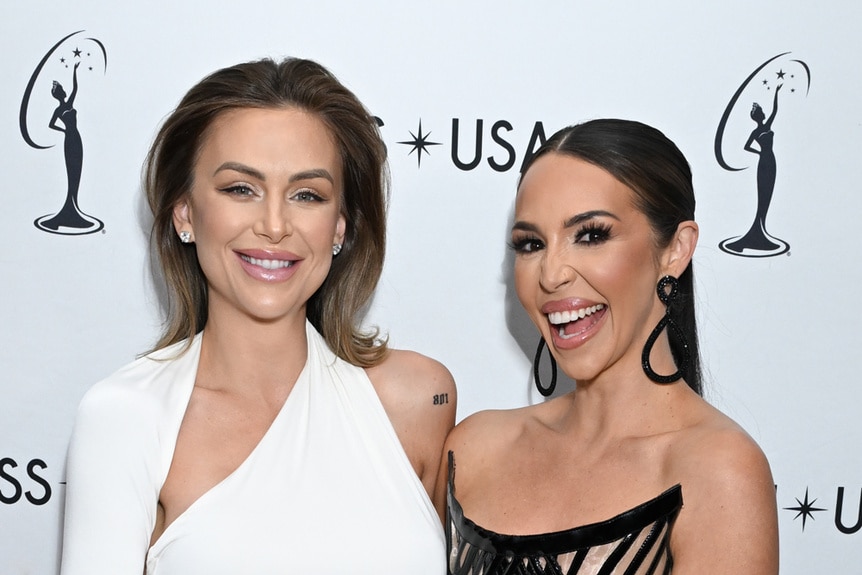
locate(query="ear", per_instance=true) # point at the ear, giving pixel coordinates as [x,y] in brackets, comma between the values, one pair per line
[678,253]
[340,229]
[183,217]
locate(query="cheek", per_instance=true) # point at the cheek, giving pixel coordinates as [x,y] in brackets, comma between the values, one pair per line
[628,267]
[319,228]
[208,217]
[214,230]
[526,281]
[611,272]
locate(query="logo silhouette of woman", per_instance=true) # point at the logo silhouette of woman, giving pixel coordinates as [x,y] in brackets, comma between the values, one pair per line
[73,149]
[757,237]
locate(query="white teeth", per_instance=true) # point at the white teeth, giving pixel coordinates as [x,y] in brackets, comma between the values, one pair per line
[563,317]
[268,264]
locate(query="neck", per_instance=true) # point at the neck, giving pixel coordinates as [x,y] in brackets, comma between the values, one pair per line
[623,402]
[251,357]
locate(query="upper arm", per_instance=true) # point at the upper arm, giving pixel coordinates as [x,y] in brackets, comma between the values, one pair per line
[454,439]
[419,396]
[473,443]
[728,523]
[110,497]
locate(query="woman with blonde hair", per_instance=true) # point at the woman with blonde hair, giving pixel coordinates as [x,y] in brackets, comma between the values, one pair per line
[266,433]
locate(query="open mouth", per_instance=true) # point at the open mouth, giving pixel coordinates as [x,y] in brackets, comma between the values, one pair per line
[571,323]
[267,264]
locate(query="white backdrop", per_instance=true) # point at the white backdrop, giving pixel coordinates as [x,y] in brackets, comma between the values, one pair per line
[779,333]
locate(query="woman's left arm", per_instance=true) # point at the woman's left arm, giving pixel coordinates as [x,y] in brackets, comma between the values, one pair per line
[419,396]
[729,520]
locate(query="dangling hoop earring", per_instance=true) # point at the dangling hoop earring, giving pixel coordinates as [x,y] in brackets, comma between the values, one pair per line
[667,298]
[546,391]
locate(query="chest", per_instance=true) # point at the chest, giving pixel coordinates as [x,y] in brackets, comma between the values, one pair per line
[321,491]
[546,488]
[217,434]
[315,517]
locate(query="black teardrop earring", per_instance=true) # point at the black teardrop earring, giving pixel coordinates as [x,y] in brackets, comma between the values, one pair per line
[667,297]
[546,391]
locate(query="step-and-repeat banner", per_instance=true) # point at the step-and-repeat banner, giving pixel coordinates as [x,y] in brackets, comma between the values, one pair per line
[464,90]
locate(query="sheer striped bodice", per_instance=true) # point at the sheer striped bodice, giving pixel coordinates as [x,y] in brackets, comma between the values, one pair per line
[635,542]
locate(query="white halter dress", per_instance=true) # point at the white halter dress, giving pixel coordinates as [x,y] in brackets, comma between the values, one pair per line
[328,489]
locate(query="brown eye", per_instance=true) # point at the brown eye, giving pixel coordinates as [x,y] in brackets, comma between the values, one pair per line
[593,234]
[527,245]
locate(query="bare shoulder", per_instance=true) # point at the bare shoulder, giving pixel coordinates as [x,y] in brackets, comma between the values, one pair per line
[484,443]
[407,377]
[419,396]
[717,448]
[486,431]
[729,500]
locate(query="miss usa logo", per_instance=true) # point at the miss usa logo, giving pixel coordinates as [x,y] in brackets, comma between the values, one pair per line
[846,514]
[48,108]
[746,135]
[469,145]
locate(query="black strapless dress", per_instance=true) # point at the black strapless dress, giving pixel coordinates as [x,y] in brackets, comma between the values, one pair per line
[635,542]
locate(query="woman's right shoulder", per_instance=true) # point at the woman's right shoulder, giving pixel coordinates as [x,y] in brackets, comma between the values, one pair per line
[138,389]
[486,436]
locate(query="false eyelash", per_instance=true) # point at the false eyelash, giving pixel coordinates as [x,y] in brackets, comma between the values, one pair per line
[520,245]
[308,196]
[596,232]
[238,190]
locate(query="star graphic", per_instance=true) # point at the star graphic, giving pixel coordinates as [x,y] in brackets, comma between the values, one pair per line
[62,60]
[420,144]
[77,53]
[780,74]
[765,82]
[805,509]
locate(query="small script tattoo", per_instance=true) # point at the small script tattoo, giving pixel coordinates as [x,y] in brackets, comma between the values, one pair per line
[441,399]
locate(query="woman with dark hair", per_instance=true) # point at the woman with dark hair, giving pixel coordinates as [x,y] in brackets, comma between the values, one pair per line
[593,481]
[266,433]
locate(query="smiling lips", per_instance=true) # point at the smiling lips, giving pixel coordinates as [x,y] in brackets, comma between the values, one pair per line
[573,326]
[269,267]
[267,264]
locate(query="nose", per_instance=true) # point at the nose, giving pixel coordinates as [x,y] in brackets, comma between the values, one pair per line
[273,222]
[556,269]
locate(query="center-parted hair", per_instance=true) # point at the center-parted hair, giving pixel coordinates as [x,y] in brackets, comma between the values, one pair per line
[651,165]
[169,171]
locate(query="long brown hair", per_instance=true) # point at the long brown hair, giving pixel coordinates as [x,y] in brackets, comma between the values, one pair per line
[168,177]
[646,161]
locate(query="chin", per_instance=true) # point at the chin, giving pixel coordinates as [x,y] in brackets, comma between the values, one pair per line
[581,371]
[268,314]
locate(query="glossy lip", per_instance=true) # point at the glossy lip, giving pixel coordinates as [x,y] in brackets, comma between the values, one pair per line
[264,274]
[572,304]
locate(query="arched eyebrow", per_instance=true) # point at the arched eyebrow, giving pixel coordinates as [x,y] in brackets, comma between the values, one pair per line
[569,223]
[257,174]
[580,218]
[242,169]
[312,174]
